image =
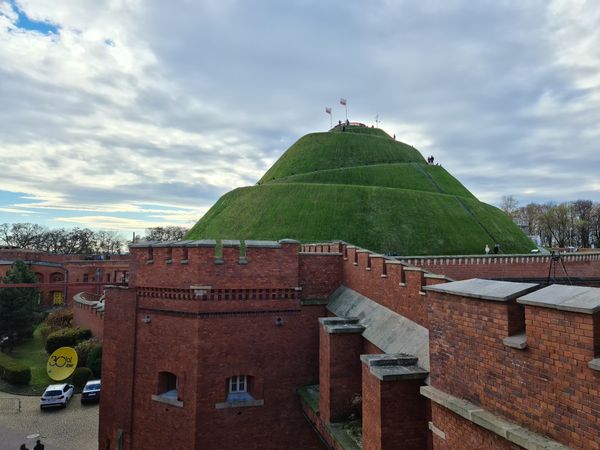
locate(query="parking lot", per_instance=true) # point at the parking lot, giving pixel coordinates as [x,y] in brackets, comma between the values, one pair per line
[72,428]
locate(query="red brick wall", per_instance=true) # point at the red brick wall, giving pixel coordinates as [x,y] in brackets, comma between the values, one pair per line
[462,434]
[320,274]
[339,374]
[265,267]
[547,388]
[510,267]
[117,367]
[386,283]
[85,316]
[393,412]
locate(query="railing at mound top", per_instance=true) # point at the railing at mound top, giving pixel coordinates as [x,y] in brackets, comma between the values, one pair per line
[216,295]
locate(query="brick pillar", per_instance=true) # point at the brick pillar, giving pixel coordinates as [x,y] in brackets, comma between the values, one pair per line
[340,346]
[394,412]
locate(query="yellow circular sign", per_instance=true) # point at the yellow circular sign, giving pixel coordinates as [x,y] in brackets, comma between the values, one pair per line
[61,363]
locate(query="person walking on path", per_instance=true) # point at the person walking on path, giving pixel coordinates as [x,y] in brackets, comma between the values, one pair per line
[487,249]
[38,445]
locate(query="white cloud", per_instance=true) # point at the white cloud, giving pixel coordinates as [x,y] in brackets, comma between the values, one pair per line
[137,103]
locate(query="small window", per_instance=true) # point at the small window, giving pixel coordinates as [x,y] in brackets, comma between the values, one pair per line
[85,277]
[239,389]
[238,383]
[167,385]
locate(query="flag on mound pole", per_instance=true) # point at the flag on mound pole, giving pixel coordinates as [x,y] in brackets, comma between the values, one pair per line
[344,103]
[328,111]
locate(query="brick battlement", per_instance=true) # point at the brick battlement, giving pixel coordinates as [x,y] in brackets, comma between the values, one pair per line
[230,264]
[522,353]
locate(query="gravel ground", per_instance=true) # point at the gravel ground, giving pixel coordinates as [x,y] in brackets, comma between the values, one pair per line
[72,428]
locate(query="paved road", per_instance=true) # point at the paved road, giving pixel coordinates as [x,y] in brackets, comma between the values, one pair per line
[72,428]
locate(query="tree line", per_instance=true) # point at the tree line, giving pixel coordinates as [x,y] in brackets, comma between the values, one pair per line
[574,223]
[77,240]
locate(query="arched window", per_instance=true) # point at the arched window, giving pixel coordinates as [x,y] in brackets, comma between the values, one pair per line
[168,385]
[168,390]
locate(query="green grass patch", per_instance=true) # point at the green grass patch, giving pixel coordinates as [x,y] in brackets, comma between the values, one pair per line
[381,219]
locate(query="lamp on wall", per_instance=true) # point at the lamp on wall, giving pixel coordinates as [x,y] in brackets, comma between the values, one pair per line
[147,319]
[279,322]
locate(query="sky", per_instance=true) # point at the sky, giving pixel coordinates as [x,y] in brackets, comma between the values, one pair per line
[128,114]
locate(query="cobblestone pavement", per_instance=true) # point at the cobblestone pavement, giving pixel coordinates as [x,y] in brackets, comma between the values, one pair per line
[72,428]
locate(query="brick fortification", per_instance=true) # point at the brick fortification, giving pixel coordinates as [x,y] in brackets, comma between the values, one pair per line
[429,363]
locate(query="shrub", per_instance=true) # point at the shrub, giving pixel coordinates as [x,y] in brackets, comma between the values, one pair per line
[83,350]
[81,376]
[67,337]
[44,331]
[94,360]
[13,371]
[57,320]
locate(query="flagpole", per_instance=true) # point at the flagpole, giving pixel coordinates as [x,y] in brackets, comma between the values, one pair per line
[346,108]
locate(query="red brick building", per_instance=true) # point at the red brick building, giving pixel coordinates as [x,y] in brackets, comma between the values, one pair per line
[262,346]
[60,277]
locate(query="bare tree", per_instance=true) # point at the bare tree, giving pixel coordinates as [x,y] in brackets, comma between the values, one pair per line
[168,233]
[509,205]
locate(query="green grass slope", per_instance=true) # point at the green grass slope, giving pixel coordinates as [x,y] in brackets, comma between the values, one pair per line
[401,176]
[363,187]
[380,219]
[322,151]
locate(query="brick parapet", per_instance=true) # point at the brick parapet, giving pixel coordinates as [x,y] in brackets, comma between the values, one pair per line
[389,282]
[545,385]
[181,266]
[584,266]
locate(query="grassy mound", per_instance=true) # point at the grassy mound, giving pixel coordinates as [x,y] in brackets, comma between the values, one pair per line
[366,188]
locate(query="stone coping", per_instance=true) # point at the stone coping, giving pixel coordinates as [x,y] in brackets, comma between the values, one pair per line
[500,291]
[518,341]
[10,262]
[394,367]
[579,299]
[321,254]
[239,404]
[213,243]
[508,430]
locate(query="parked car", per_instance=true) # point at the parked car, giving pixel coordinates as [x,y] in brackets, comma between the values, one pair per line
[91,392]
[56,395]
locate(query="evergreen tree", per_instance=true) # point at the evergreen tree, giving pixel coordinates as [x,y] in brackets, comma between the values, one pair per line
[17,306]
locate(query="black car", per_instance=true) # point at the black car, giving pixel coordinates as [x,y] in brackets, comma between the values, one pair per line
[91,392]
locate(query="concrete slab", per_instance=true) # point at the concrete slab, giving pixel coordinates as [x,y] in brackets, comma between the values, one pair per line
[579,299]
[500,291]
[263,244]
[384,328]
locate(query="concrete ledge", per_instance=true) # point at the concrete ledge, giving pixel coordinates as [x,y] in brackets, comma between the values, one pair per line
[262,244]
[580,299]
[288,241]
[394,367]
[230,243]
[167,400]
[499,291]
[491,422]
[242,404]
[518,341]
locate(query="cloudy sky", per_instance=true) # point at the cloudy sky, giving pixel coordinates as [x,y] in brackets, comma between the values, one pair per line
[123,114]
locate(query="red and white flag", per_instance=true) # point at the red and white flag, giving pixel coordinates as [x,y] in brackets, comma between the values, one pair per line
[327,110]
[343,101]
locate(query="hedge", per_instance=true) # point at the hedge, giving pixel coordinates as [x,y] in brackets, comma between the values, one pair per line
[13,371]
[94,360]
[67,337]
[81,376]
